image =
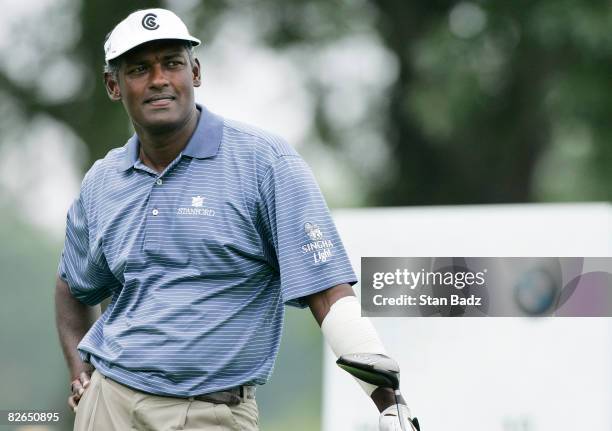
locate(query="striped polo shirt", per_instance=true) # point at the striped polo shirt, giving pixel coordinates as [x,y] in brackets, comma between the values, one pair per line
[199,260]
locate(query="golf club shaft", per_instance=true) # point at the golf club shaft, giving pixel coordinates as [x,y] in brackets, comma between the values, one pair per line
[398,395]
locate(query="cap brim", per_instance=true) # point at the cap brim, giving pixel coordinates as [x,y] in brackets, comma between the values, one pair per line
[194,42]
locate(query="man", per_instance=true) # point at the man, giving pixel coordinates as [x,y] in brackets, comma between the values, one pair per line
[200,229]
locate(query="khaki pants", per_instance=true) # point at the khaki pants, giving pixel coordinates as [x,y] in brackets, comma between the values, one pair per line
[107,405]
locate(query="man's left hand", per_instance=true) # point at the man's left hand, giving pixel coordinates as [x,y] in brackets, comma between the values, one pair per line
[389,420]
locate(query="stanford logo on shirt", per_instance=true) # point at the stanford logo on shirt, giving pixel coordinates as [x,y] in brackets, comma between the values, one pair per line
[197,201]
[196,209]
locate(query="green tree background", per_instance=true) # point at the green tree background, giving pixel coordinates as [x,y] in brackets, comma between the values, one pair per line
[476,102]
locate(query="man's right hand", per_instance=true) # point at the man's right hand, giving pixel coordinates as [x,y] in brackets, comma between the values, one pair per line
[78,388]
[73,320]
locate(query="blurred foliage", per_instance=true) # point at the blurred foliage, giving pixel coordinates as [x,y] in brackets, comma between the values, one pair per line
[489,101]
[32,367]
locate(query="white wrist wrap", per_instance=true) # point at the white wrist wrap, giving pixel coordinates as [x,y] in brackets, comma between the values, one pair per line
[347,332]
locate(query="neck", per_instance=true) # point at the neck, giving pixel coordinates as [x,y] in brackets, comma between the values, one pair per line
[159,148]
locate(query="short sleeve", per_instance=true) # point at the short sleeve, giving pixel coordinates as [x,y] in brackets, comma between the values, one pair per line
[310,254]
[86,273]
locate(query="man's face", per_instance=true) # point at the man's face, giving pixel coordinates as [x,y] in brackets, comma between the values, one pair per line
[155,84]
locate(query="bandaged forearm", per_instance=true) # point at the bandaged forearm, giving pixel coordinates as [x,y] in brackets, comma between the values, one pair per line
[347,332]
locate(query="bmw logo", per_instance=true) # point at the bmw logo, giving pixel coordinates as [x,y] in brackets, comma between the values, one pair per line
[535,292]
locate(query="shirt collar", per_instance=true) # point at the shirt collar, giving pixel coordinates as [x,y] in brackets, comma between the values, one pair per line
[204,142]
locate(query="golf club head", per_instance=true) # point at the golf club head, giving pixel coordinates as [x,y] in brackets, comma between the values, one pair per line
[373,368]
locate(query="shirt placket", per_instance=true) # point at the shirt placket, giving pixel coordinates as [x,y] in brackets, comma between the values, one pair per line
[157,212]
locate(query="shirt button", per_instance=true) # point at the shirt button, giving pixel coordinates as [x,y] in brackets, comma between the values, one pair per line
[155,212]
[159,182]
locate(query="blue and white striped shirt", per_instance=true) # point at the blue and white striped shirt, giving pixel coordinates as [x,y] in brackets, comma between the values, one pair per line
[199,260]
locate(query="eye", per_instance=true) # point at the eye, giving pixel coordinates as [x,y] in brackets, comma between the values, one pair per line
[174,63]
[137,69]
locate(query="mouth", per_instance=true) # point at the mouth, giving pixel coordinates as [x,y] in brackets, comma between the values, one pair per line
[159,100]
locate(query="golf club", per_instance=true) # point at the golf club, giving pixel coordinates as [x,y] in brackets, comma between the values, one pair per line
[378,370]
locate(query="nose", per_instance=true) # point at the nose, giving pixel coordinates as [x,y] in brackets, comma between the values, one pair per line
[158,77]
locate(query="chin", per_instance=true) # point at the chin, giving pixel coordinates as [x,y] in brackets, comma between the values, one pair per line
[161,120]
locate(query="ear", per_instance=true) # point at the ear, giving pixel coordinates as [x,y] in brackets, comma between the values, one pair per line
[196,70]
[112,87]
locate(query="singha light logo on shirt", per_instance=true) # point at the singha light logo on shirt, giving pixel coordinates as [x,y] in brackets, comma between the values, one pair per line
[313,231]
[196,209]
[319,247]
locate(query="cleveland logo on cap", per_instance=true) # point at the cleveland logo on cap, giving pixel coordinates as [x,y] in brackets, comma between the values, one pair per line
[149,21]
[136,30]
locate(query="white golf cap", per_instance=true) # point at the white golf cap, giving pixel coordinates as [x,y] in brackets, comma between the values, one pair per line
[145,26]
